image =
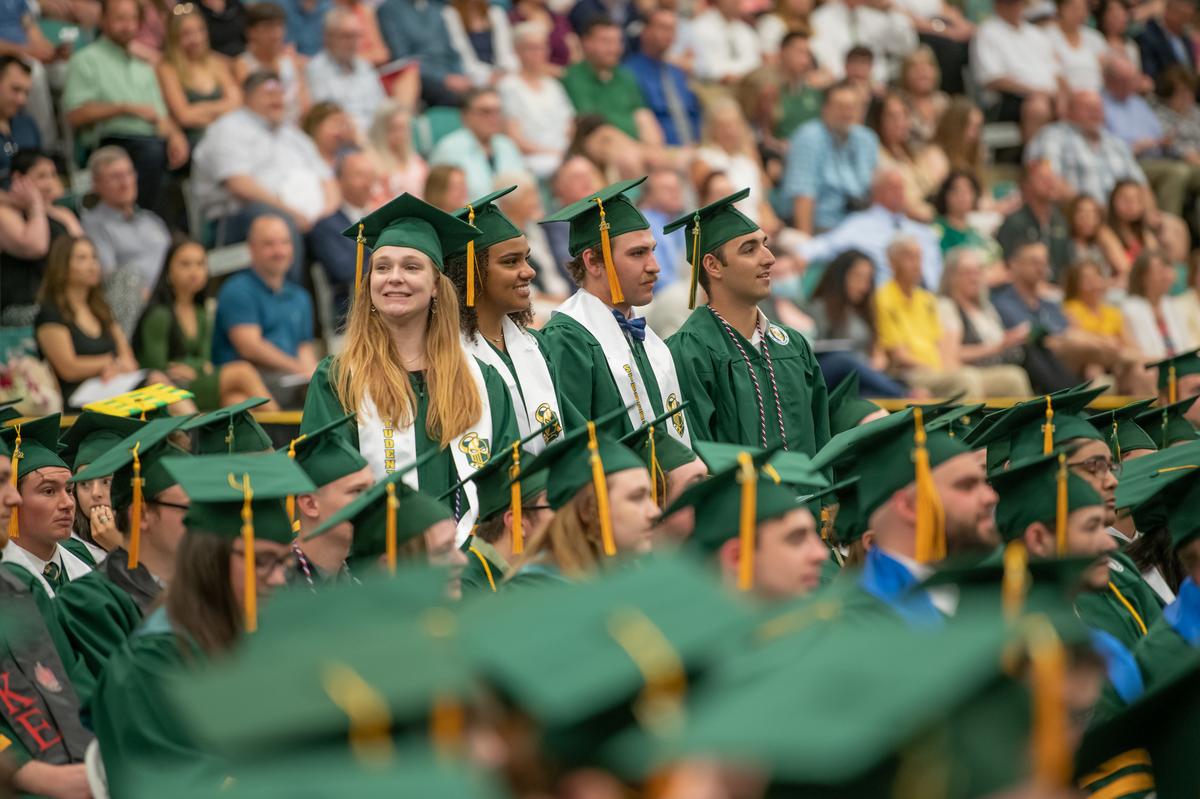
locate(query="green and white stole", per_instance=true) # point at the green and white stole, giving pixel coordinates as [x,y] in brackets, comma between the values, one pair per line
[597,318]
[533,396]
[72,566]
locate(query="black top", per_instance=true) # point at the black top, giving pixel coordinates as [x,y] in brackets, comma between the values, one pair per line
[226,30]
[19,282]
[104,344]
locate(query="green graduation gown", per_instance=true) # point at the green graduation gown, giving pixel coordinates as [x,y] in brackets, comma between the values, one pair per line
[99,611]
[438,474]
[134,722]
[724,406]
[588,386]
[571,418]
[1124,607]
[79,550]
[485,568]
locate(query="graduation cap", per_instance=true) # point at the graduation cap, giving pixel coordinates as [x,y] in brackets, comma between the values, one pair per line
[597,219]
[494,227]
[230,430]
[240,495]
[1168,425]
[1173,368]
[325,455]
[142,403]
[135,464]
[790,468]
[379,525]
[660,452]
[93,434]
[708,228]
[1161,489]
[8,410]
[1123,433]
[957,419]
[1040,489]
[1038,426]
[501,485]
[409,222]
[846,407]
[32,446]
[583,457]
[889,454]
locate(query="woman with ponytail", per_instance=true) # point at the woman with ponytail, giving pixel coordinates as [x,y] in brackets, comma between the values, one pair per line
[403,369]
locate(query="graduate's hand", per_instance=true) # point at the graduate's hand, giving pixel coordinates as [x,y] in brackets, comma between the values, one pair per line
[56,782]
[104,527]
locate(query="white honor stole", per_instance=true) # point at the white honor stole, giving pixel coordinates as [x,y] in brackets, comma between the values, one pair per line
[533,396]
[597,318]
[73,567]
[386,447]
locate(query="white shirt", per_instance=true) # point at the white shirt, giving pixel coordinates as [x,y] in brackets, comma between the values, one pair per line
[943,597]
[724,48]
[357,89]
[836,29]
[742,170]
[1080,65]
[480,72]
[1142,327]
[282,160]
[544,114]
[72,567]
[1023,54]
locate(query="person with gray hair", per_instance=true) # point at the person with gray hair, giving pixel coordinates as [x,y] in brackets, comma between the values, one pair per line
[357,179]
[338,74]
[130,241]
[972,328]
[538,114]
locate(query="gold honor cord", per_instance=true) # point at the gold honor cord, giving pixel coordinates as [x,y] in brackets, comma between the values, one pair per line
[747,520]
[14,531]
[368,712]
[487,570]
[636,394]
[135,511]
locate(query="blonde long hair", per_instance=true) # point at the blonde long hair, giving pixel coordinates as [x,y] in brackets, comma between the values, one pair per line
[370,364]
[572,539]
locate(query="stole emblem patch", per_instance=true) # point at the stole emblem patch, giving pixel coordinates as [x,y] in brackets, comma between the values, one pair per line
[778,334]
[477,449]
[547,418]
[45,678]
[676,419]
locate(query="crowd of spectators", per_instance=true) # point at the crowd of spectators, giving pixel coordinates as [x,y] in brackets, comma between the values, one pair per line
[990,196]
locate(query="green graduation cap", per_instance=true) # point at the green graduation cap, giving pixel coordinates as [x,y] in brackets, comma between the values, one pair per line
[707,228]
[242,496]
[1040,489]
[1168,425]
[1160,490]
[31,446]
[135,464]
[326,454]
[230,430]
[792,469]
[1173,368]
[1124,435]
[494,227]
[386,515]
[410,222]
[1038,426]
[93,434]
[8,410]
[660,452]
[597,219]
[846,407]
[889,454]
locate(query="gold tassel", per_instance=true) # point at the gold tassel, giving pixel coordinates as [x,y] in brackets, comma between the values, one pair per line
[250,574]
[601,485]
[931,520]
[291,498]
[446,725]
[1014,584]
[1052,761]
[390,530]
[614,287]
[695,262]
[135,511]
[514,475]
[1060,507]
[1172,386]
[367,710]
[359,243]
[748,477]
[14,531]
[825,525]
[1116,443]
[655,469]
[471,260]
[1048,428]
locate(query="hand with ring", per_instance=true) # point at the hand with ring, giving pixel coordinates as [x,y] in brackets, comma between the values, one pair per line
[104,528]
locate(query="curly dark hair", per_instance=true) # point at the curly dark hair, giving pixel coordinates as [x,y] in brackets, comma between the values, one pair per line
[455,267]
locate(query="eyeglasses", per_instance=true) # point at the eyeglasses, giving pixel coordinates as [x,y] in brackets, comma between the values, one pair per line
[265,565]
[175,505]
[1097,466]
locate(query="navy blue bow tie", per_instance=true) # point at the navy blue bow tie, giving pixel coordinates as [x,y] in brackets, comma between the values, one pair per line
[634,327]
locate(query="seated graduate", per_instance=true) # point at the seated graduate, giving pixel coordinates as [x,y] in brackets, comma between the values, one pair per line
[236,551]
[341,475]
[673,468]
[394,522]
[403,370]
[41,737]
[229,430]
[45,517]
[95,532]
[493,279]
[603,503]
[100,610]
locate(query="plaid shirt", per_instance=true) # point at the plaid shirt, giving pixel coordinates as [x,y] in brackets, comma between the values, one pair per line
[1091,168]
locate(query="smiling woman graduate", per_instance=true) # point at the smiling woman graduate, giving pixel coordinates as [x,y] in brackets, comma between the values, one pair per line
[403,369]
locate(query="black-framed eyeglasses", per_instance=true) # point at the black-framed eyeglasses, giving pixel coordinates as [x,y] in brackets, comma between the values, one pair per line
[175,505]
[267,564]
[1097,466]
[525,507]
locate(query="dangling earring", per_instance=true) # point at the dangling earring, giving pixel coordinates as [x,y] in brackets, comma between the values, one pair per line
[433,305]
[372,309]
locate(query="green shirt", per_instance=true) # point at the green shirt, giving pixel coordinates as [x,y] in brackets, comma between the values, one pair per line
[797,106]
[714,377]
[103,72]
[615,99]
[154,351]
